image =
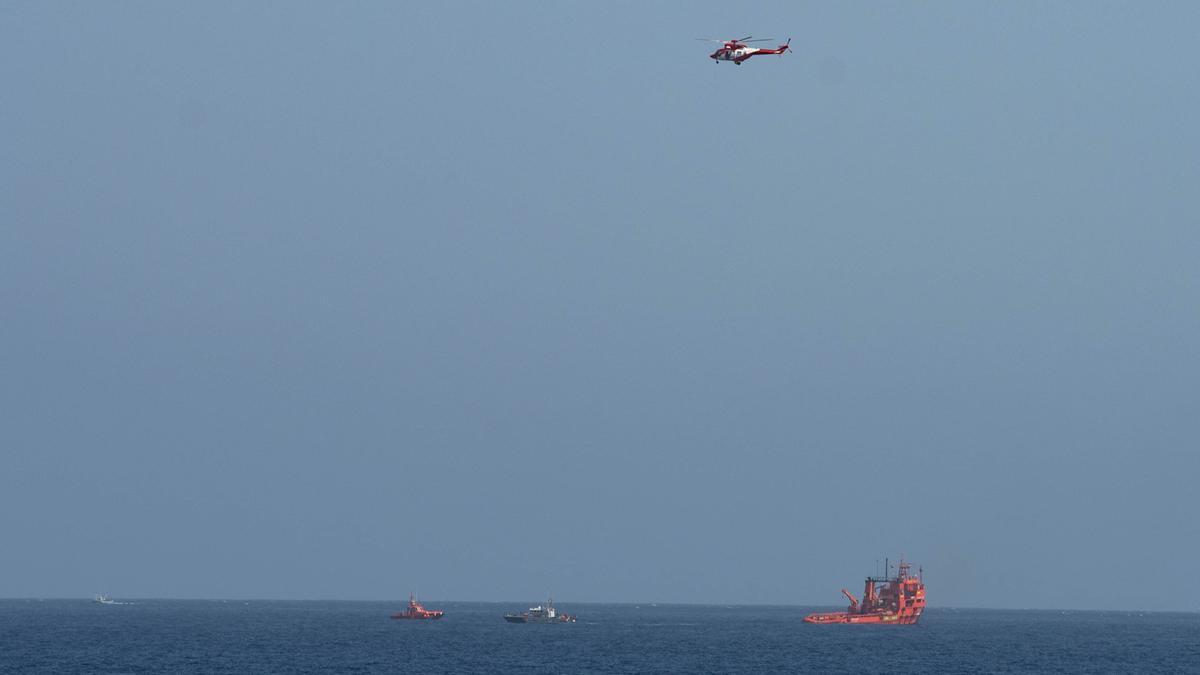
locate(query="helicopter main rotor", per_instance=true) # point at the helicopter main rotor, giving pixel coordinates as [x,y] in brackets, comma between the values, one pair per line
[736,41]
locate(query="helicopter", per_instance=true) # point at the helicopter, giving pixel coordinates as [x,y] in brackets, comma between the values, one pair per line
[736,50]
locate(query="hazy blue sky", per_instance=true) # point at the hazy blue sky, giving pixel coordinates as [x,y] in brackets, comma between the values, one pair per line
[491,300]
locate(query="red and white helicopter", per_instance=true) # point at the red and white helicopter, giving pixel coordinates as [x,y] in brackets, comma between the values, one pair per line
[736,50]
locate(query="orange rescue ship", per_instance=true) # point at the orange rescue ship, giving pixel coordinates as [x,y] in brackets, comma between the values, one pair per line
[416,611]
[891,600]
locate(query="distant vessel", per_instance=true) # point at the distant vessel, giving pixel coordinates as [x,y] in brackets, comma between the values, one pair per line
[541,614]
[894,600]
[416,611]
[103,599]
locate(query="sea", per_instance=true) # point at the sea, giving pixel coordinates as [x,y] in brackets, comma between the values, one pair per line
[249,636]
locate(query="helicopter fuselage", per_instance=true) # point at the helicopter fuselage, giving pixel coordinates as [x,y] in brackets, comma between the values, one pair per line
[735,55]
[737,51]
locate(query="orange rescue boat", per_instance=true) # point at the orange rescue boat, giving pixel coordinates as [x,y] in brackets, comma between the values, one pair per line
[416,611]
[891,600]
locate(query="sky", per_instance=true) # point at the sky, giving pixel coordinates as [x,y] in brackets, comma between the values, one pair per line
[490,301]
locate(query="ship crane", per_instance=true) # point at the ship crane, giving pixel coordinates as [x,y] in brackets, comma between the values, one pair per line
[853,600]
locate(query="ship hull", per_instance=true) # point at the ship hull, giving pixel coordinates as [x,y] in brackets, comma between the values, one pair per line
[843,617]
[522,618]
[430,617]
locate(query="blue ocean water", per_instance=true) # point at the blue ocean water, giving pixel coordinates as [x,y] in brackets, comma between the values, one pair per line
[173,636]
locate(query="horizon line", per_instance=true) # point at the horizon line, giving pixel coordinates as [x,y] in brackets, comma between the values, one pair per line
[596,602]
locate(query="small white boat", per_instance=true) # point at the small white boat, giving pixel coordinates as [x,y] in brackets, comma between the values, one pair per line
[103,599]
[540,614]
